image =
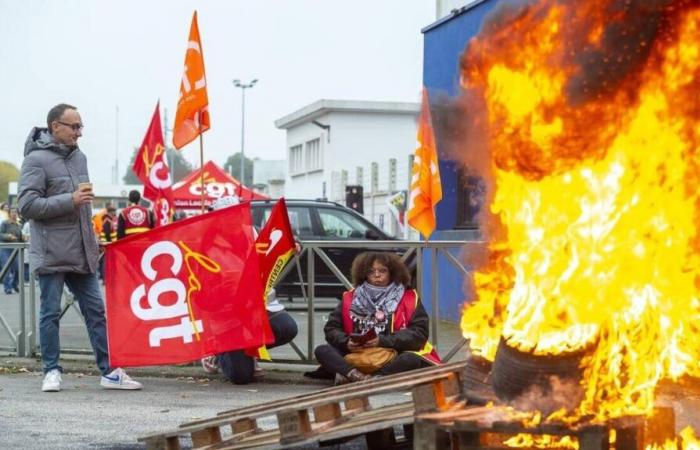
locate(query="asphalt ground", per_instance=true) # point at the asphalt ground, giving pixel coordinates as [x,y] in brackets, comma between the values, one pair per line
[85,416]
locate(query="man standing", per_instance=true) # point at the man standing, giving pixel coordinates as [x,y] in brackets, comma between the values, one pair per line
[108,233]
[134,218]
[10,232]
[109,225]
[55,194]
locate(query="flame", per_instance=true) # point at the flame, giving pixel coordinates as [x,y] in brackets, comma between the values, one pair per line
[591,118]
[686,440]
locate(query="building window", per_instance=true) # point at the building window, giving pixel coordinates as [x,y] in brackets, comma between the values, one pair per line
[295,160]
[313,155]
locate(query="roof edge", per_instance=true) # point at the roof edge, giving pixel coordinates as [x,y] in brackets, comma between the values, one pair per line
[324,106]
[454,13]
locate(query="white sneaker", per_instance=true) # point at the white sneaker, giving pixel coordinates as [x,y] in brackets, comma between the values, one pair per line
[118,379]
[52,381]
[210,364]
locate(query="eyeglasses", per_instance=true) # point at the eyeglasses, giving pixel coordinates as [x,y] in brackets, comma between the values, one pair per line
[377,271]
[72,126]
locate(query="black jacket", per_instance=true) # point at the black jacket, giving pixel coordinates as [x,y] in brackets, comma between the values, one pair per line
[411,338]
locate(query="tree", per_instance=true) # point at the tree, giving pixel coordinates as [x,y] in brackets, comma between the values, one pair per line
[8,173]
[179,167]
[233,167]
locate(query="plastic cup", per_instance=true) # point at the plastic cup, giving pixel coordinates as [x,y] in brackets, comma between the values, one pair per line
[85,186]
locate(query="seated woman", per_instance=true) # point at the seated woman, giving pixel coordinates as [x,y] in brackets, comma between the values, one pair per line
[382,302]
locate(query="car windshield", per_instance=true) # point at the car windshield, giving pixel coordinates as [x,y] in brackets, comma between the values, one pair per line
[341,225]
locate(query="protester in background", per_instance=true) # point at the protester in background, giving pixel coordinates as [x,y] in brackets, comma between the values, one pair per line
[237,366]
[109,225]
[25,237]
[134,218]
[380,327]
[55,194]
[4,211]
[97,221]
[97,227]
[108,233]
[10,232]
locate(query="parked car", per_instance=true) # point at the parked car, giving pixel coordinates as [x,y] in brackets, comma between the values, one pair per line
[321,221]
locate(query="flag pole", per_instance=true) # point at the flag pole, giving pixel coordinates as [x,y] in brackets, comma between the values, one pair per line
[201,164]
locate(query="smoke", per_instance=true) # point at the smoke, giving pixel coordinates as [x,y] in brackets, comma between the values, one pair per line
[625,44]
[606,41]
[555,394]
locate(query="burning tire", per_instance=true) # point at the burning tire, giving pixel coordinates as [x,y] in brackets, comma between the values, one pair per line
[477,383]
[516,374]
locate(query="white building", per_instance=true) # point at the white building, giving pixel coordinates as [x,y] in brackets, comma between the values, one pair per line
[335,143]
[444,8]
[269,176]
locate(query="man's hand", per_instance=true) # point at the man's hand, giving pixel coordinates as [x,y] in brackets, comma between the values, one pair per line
[82,197]
[372,343]
[354,346]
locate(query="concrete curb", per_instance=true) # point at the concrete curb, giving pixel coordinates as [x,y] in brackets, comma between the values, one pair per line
[272,373]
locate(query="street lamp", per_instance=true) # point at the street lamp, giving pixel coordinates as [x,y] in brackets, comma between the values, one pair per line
[237,83]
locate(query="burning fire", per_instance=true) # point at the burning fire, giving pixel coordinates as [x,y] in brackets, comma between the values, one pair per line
[590,114]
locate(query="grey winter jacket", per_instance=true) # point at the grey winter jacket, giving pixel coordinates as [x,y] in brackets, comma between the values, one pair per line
[62,238]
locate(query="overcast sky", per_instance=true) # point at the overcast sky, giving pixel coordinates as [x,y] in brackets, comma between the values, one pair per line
[98,55]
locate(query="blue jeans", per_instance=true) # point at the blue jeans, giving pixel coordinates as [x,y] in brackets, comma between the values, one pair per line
[239,368]
[10,280]
[86,289]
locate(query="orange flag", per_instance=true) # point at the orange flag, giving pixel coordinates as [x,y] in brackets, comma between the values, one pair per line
[426,190]
[192,117]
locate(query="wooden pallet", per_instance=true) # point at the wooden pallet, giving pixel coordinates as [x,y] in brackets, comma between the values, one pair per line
[328,414]
[487,427]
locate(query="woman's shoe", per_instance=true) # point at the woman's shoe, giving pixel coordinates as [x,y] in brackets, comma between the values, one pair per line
[341,379]
[356,375]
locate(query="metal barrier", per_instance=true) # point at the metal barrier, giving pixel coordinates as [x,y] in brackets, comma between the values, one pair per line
[24,340]
[433,248]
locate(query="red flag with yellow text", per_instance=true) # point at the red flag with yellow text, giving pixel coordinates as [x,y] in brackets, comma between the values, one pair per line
[425,190]
[275,245]
[181,292]
[192,116]
[151,168]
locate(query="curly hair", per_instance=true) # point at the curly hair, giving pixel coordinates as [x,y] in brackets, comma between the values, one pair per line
[398,272]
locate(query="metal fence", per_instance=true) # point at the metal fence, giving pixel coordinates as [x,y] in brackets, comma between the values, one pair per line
[24,341]
[420,249]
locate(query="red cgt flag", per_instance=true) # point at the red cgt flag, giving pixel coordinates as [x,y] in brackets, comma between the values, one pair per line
[179,292]
[152,169]
[275,245]
[192,116]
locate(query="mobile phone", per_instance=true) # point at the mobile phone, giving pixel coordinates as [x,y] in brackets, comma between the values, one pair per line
[362,338]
